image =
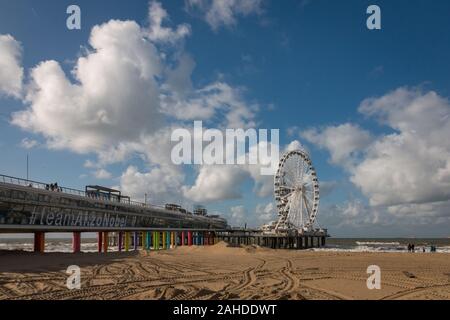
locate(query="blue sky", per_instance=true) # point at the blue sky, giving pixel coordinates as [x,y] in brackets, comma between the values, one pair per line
[307,66]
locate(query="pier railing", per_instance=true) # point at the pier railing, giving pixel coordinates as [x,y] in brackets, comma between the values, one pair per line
[70,191]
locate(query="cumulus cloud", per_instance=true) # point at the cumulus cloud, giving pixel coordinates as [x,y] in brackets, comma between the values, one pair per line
[356,217]
[156,32]
[102,174]
[344,142]
[223,182]
[28,143]
[218,13]
[404,171]
[160,184]
[131,87]
[115,97]
[238,216]
[11,71]
[214,183]
[412,164]
[213,99]
[265,213]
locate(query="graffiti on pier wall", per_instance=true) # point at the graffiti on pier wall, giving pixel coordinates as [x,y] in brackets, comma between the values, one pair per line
[87,219]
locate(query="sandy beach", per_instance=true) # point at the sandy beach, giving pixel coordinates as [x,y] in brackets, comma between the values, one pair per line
[221,272]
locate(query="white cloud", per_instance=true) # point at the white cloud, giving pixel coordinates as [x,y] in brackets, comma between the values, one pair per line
[344,142]
[158,33]
[411,165]
[115,99]
[102,174]
[28,143]
[218,13]
[160,184]
[265,213]
[238,216]
[213,99]
[403,172]
[11,71]
[223,182]
[354,216]
[216,183]
[130,88]
[162,180]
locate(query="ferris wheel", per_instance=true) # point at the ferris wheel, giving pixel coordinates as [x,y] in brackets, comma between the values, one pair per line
[296,192]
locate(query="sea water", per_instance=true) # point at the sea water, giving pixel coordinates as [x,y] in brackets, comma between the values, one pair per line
[333,244]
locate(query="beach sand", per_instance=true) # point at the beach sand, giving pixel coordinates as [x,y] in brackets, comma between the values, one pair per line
[222,272]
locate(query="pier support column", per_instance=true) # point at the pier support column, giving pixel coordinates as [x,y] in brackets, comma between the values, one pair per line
[147,240]
[182,238]
[164,240]
[144,240]
[167,240]
[208,238]
[105,242]
[189,238]
[76,242]
[135,240]
[172,239]
[323,241]
[157,235]
[150,240]
[127,241]
[120,241]
[99,241]
[39,242]
[153,240]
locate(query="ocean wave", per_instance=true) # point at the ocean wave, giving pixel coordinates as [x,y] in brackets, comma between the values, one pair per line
[377,243]
[360,246]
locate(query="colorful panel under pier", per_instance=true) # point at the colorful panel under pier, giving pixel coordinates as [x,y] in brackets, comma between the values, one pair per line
[189,238]
[127,241]
[164,240]
[39,242]
[153,240]
[167,240]
[76,242]
[173,238]
[156,246]
[99,241]
[120,241]
[135,240]
[105,242]
[148,240]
